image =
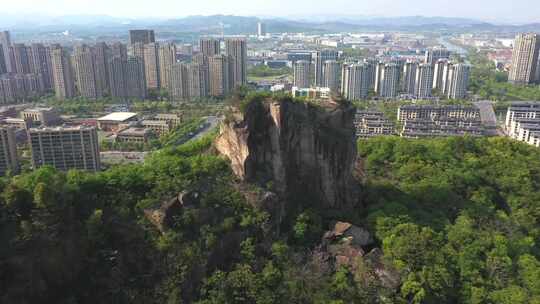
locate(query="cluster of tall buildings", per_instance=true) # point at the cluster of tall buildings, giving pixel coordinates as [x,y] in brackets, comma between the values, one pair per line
[210,73]
[388,79]
[25,71]
[524,66]
[118,70]
[89,71]
[391,79]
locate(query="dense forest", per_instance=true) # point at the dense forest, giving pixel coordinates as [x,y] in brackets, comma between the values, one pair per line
[457,218]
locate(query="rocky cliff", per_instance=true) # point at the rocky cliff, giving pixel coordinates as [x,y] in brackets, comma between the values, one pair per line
[302,150]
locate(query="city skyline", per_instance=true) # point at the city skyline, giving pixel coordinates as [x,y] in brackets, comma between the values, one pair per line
[485,10]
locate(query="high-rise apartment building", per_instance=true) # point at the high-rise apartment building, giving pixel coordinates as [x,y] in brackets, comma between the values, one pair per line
[209,46]
[22,86]
[202,61]
[65,148]
[85,75]
[5,41]
[141,36]
[538,70]
[116,68]
[3,68]
[101,53]
[331,69]
[167,58]
[118,49]
[197,80]
[424,81]
[458,81]
[151,66]
[320,58]
[524,59]
[355,81]
[388,80]
[127,79]
[8,151]
[408,79]
[188,81]
[200,58]
[135,78]
[62,73]
[40,64]
[137,50]
[440,69]
[434,54]
[236,50]
[301,74]
[261,29]
[179,82]
[7,89]
[219,83]
[445,82]
[21,58]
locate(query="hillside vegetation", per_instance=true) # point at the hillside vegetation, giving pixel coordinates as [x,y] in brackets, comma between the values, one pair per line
[458,218]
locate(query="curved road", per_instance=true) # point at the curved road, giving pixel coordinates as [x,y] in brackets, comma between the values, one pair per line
[211,123]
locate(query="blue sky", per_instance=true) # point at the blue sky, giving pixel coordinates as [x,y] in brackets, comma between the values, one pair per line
[490,10]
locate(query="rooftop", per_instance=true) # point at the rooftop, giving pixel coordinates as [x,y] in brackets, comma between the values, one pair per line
[154,122]
[163,115]
[39,109]
[61,128]
[117,116]
[135,131]
[435,107]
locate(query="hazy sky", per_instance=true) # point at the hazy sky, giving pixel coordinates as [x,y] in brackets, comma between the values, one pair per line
[492,10]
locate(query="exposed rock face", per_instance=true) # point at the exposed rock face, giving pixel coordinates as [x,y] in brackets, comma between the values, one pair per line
[163,216]
[387,275]
[304,150]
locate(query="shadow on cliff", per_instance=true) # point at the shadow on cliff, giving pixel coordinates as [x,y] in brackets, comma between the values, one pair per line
[302,151]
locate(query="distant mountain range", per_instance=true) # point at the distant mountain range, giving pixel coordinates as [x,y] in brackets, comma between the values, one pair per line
[245,25]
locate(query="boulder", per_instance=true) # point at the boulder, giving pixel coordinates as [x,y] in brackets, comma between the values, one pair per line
[357,236]
[162,217]
[345,242]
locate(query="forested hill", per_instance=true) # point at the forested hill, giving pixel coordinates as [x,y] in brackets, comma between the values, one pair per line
[456,218]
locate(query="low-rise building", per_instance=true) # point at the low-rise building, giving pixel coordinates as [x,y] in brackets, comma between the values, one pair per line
[159,127]
[411,112]
[174,120]
[113,121]
[440,120]
[134,135]
[534,139]
[523,122]
[518,110]
[65,148]
[41,117]
[428,128]
[17,123]
[371,123]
